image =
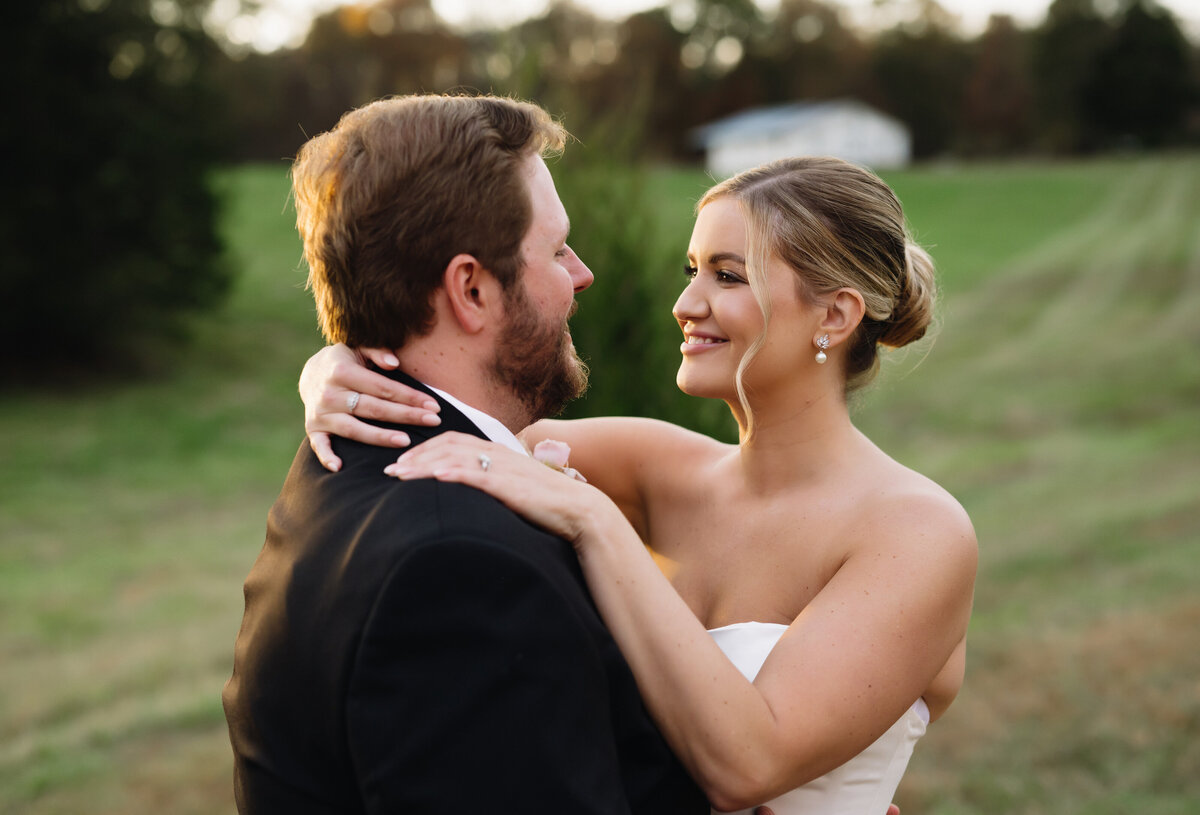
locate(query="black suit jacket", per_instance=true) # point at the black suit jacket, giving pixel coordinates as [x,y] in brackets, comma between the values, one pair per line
[415,647]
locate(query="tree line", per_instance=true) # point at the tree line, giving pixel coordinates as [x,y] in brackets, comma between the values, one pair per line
[122,108]
[1091,76]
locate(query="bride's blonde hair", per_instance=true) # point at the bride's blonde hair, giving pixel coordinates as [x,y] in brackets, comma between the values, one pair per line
[836,225]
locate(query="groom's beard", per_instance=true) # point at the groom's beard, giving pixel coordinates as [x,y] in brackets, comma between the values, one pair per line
[535,358]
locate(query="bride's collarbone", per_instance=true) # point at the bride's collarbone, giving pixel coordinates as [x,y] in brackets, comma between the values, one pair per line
[713,516]
[747,573]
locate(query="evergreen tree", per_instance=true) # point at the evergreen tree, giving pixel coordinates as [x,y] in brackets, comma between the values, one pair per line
[921,75]
[998,104]
[1141,87]
[110,223]
[1065,52]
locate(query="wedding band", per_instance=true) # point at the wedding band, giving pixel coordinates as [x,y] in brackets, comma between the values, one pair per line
[484,461]
[352,401]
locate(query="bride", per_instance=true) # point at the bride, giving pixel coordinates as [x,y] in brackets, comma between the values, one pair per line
[794,607]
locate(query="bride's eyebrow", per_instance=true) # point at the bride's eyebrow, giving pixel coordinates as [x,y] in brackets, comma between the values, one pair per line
[726,257]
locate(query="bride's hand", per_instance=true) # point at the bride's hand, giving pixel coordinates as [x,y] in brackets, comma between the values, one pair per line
[551,498]
[338,390]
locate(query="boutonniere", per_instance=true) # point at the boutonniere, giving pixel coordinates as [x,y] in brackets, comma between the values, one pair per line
[554,454]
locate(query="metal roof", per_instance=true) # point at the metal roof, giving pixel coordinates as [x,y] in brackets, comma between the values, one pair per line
[767,121]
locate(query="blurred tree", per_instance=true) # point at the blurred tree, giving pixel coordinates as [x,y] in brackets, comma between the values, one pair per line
[352,55]
[920,73]
[998,102]
[552,58]
[266,99]
[719,75]
[1192,119]
[1141,87]
[648,72]
[1065,53]
[666,70]
[624,328]
[110,223]
[811,54]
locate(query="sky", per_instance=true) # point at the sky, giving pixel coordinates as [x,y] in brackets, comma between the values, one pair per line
[284,22]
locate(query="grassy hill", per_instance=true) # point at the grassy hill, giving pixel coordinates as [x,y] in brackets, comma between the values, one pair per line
[1060,402]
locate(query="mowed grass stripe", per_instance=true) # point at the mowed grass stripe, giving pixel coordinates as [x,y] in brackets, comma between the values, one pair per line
[1129,253]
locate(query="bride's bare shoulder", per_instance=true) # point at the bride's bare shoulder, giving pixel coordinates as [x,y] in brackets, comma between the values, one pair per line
[905,507]
[628,458]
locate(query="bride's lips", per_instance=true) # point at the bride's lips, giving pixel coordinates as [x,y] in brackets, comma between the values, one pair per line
[698,343]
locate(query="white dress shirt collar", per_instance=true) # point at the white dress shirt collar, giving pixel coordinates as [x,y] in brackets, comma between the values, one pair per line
[490,426]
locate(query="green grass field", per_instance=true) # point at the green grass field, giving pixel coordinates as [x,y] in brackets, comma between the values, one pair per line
[1060,402]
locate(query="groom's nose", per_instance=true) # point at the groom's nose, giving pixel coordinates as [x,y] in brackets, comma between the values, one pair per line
[581,275]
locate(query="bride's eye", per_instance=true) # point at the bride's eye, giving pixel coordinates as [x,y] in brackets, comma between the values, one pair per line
[728,277]
[690,271]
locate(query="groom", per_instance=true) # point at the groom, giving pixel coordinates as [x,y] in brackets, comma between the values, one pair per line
[413,646]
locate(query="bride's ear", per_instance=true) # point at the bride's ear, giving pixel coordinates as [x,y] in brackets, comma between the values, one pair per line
[844,310]
[473,294]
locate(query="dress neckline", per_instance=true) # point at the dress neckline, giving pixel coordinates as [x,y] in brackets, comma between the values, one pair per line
[747,625]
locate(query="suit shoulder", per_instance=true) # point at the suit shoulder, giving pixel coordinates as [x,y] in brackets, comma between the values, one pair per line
[480,556]
[443,521]
[430,510]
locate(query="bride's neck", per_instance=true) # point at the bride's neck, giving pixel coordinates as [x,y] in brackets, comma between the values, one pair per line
[794,439]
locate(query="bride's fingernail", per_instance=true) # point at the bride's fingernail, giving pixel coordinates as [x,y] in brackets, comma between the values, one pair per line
[391,359]
[401,440]
[431,419]
[432,405]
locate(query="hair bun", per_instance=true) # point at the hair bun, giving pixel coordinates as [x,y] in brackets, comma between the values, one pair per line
[914,308]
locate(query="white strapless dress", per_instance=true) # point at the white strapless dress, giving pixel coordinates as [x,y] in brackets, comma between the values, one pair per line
[865,784]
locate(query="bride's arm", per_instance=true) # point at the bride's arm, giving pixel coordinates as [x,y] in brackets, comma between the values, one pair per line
[847,668]
[619,455]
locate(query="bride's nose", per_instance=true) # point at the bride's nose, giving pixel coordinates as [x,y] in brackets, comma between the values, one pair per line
[691,305]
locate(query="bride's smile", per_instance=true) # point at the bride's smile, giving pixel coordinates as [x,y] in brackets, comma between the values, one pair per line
[716,311]
[695,342]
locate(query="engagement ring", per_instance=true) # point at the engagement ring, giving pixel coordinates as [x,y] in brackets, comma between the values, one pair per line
[352,401]
[484,461]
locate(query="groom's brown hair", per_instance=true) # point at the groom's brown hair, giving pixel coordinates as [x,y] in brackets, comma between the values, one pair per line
[397,189]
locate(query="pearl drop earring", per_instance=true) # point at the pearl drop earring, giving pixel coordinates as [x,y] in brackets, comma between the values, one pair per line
[822,344]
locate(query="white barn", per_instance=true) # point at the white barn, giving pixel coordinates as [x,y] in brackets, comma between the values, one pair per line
[843,128]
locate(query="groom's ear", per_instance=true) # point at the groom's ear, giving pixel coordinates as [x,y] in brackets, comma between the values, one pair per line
[474,295]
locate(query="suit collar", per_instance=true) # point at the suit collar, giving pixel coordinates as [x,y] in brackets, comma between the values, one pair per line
[453,416]
[492,427]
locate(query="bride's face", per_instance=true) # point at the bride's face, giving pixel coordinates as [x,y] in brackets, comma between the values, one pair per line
[721,318]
